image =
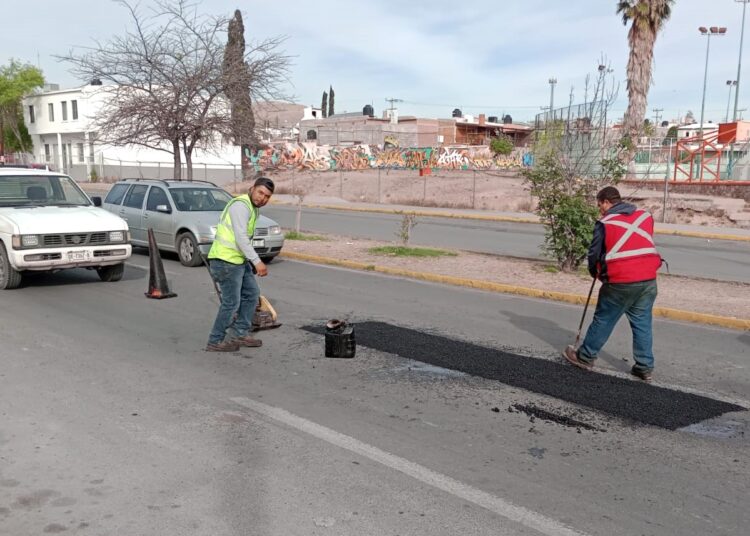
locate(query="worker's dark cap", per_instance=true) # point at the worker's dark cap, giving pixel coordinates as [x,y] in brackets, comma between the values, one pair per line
[264,181]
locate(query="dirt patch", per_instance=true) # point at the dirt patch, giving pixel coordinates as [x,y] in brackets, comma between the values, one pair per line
[699,295]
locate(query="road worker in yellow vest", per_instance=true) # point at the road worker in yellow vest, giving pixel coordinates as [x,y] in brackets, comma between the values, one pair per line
[233,264]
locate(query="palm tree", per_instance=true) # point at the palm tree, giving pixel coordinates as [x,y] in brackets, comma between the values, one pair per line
[647,18]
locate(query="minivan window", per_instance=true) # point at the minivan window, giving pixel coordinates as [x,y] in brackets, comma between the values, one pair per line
[115,195]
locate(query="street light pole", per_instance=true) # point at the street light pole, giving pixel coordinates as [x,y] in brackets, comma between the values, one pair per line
[714,30]
[730,83]
[739,61]
[730,165]
[552,82]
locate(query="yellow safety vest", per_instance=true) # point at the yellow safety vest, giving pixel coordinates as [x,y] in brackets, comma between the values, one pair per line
[225,246]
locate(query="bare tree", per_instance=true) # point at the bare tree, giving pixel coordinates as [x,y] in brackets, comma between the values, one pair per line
[168,80]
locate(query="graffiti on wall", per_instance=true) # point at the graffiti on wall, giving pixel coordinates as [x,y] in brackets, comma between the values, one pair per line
[310,156]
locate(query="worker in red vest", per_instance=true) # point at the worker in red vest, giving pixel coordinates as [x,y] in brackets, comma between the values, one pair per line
[623,256]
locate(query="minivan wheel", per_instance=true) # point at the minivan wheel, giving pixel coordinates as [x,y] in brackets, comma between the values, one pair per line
[110,274]
[187,250]
[10,278]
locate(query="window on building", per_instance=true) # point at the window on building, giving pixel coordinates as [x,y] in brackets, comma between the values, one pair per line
[64,106]
[32,117]
[312,135]
[80,152]
[74,109]
[51,110]
[47,153]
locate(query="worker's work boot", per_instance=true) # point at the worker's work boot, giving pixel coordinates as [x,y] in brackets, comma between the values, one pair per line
[248,342]
[226,346]
[645,375]
[571,355]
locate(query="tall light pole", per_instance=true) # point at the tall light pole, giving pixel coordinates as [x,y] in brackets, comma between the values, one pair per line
[708,32]
[730,165]
[731,84]
[739,61]
[552,82]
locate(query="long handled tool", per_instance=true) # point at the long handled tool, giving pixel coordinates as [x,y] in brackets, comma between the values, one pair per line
[580,326]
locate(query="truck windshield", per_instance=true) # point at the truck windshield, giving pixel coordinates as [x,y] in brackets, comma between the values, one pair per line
[40,191]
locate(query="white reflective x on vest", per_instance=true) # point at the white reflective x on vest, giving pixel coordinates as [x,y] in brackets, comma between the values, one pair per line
[630,229]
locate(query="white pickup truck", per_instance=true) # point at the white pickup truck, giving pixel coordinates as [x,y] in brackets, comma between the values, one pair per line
[47,223]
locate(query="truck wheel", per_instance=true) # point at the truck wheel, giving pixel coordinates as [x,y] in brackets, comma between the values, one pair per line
[187,250]
[110,274]
[10,278]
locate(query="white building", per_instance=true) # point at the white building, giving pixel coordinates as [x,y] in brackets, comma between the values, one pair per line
[693,131]
[57,121]
[60,125]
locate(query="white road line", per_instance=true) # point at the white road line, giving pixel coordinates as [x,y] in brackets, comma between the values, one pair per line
[518,514]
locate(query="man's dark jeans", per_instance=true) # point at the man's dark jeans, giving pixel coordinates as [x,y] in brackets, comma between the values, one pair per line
[636,301]
[239,295]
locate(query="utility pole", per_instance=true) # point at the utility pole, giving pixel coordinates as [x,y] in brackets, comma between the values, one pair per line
[657,115]
[392,101]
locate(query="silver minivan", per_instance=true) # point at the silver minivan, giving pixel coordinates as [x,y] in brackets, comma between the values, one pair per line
[183,215]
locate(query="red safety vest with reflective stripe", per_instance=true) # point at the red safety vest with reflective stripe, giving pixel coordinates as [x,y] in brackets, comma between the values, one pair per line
[630,252]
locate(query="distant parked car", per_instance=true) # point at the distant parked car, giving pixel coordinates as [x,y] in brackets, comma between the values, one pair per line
[183,215]
[47,223]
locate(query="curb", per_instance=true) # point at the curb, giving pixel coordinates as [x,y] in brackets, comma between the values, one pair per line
[575,299]
[511,219]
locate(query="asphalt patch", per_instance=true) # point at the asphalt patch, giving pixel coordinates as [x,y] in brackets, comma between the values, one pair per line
[626,399]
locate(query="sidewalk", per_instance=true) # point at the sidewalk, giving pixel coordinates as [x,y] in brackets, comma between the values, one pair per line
[696,231]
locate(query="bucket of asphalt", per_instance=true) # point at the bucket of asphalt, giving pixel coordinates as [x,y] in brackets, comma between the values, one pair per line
[339,338]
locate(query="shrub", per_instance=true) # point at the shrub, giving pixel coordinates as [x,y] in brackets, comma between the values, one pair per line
[502,145]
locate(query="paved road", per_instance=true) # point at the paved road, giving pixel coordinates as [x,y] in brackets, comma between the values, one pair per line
[717,259]
[115,422]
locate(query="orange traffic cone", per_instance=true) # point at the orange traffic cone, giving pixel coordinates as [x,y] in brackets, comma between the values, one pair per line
[158,288]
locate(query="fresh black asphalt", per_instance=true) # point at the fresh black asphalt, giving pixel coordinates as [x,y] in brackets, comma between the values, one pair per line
[632,400]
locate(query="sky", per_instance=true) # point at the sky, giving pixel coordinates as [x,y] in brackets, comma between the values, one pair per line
[482,56]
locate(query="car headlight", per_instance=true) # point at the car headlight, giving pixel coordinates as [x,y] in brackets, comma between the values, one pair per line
[213,231]
[117,236]
[24,241]
[29,240]
[274,229]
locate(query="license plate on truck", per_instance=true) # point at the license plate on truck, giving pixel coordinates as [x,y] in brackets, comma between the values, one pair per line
[78,256]
[259,242]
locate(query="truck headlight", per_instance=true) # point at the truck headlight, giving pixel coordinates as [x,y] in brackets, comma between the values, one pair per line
[117,236]
[29,240]
[274,229]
